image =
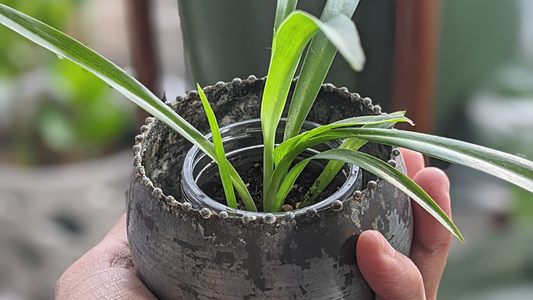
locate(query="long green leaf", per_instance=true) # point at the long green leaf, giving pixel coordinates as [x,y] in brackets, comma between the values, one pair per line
[242,190]
[289,150]
[283,9]
[330,171]
[223,164]
[228,174]
[511,168]
[333,167]
[508,167]
[288,182]
[315,67]
[396,178]
[68,48]
[388,120]
[288,44]
[312,138]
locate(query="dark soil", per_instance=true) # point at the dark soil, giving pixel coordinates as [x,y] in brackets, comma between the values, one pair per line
[252,175]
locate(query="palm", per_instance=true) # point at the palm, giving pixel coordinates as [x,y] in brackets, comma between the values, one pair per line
[105,272]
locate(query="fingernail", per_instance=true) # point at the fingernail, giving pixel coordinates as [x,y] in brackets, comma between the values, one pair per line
[386,248]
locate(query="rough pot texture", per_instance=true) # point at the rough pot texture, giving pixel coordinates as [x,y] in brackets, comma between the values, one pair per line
[182,253]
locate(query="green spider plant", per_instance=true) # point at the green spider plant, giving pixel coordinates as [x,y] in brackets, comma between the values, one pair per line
[292,32]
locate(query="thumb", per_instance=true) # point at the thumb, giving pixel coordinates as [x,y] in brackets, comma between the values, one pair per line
[389,273]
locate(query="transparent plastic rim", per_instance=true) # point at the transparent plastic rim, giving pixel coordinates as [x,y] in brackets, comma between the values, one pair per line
[190,189]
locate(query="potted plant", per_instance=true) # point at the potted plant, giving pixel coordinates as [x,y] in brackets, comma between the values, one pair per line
[198,250]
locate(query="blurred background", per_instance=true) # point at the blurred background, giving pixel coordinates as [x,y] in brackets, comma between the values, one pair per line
[463,69]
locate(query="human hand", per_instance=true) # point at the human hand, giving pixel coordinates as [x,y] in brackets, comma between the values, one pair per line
[105,272]
[391,274]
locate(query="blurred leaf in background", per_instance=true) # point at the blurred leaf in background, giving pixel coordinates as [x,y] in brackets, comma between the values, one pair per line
[19,55]
[52,111]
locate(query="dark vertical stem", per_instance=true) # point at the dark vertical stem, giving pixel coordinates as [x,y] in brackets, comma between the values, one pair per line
[142,47]
[415,56]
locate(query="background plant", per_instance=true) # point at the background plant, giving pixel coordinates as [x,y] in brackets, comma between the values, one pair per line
[52,111]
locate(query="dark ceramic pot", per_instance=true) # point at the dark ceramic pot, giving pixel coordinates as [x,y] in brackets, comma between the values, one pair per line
[183,253]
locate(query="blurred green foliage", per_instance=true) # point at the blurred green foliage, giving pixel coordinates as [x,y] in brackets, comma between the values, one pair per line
[17,54]
[57,112]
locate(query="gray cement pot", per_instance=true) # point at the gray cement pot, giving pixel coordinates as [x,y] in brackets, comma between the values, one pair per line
[183,253]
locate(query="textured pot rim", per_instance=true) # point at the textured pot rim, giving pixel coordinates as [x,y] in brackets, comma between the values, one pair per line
[267,218]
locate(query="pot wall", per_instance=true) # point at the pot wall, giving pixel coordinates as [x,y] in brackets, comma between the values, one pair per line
[180,253]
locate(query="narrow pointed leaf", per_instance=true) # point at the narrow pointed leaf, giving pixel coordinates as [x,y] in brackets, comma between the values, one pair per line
[228,174]
[295,142]
[315,67]
[242,190]
[287,184]
[511,168]
[290,41]
[223,164]
[333,167]
[317,136]
[283,9]
[288,44]
[66,47]
[330,171]
[396,178]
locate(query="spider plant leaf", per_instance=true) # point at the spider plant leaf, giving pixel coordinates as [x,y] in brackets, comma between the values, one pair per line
[223,164]
[283,9]
[314,137]
[514,169]
[66,47]
[396,178]
[242,190]
[333,167]
[387,120]
[330,171]
[315,67]
[288,44]
[287,184]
